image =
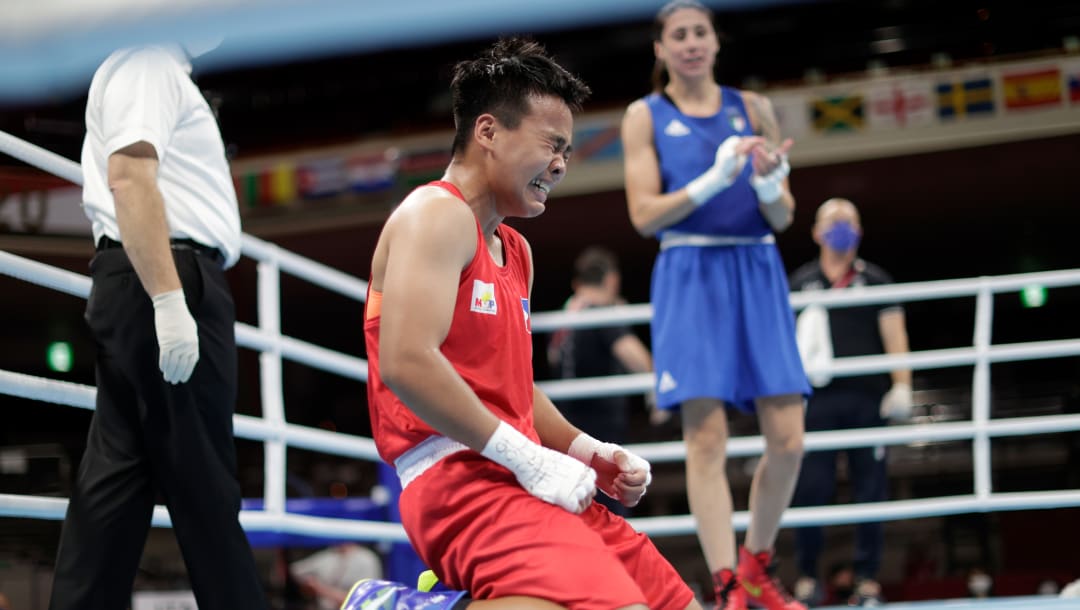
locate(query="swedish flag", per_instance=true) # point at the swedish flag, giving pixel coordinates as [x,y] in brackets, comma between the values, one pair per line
[970,97]
[838,113]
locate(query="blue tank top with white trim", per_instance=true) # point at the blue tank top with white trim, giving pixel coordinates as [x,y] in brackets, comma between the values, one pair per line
[686,147]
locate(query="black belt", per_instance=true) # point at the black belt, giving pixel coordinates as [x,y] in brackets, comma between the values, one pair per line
[106,243]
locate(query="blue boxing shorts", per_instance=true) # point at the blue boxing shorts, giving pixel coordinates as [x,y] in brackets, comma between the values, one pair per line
[723,326]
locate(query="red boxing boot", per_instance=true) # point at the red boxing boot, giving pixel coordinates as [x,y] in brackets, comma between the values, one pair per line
[729,595]
[756,580]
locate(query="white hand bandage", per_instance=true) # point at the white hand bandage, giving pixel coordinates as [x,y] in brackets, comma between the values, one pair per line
[770,187]
[549,475]
[585,448]
[177,335]
[725,169]
[896,404]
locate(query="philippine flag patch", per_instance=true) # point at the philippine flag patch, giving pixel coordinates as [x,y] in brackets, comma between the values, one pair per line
[483,298]
[525,310]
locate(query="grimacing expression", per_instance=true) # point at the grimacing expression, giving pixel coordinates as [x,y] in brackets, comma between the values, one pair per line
[533,157]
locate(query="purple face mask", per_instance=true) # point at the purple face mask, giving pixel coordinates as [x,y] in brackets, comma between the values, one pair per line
[842,236]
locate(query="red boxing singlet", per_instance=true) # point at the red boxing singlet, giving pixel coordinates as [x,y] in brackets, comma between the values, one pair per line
[489,345]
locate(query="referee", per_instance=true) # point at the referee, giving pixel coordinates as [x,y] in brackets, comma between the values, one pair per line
[159,194]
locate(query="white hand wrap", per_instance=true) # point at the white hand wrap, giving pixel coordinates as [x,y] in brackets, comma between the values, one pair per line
[770,187]
[177,335]
[896,404]
[585,447]
[722,174]
[553,477]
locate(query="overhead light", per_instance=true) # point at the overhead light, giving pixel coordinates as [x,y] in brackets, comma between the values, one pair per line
[753,83]
[888,39]
[941,61]
[888,45]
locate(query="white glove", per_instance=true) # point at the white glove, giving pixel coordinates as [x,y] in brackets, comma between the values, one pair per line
[896,405]
[621,475]
[553,477]
[177,335]
[770,187]
[722,174]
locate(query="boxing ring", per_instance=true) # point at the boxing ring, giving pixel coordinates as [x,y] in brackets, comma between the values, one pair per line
[276,434]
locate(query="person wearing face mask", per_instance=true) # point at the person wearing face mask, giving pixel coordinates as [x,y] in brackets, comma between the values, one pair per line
[847,402]
[160,198]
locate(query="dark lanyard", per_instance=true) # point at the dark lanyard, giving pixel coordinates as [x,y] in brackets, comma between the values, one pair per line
[846,280]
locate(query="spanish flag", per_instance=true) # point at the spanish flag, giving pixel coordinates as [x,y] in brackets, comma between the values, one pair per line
[1032,89]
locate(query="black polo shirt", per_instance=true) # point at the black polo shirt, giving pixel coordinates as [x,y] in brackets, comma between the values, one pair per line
[855,330]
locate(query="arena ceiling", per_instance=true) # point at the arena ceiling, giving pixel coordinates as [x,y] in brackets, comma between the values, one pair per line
[331,94]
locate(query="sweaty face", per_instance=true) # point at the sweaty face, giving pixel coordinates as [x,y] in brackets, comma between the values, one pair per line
[688,44]
[532,158]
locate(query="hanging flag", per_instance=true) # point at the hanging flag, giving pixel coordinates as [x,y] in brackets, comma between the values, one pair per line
[368,173]
[1072,81]
[282,183]
[792,113]
[319,178]
[598,141]
[900,104]
[973,96]
[1032,89]
[423,166]
[838,113]
[256,189]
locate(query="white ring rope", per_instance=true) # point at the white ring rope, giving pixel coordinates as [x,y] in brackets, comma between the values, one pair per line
[278,434]
[314,272]
[547,321]
[34,272]
[41,158]
[38,507]
[248,336]
[47,390]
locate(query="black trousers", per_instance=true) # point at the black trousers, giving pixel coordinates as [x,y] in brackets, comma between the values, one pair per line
[831,409]
[148,437]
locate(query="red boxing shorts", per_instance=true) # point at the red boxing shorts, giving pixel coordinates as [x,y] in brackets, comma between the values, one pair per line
[480,531]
